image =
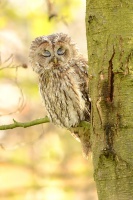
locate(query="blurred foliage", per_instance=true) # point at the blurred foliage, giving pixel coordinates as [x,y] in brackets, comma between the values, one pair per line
[42,162]
[37,17]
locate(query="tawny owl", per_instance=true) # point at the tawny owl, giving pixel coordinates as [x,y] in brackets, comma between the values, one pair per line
[63,82]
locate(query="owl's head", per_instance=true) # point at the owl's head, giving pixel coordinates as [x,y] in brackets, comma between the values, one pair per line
[52,51]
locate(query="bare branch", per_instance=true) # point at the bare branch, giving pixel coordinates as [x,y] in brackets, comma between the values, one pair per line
[51,9]
[24,124]
[8,63]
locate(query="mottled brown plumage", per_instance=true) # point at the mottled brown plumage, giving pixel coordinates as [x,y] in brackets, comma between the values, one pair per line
[63,82]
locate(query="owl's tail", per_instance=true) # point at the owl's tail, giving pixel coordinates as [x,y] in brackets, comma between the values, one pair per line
[82,134]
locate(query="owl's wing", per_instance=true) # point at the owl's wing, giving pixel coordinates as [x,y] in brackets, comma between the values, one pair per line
[82,70]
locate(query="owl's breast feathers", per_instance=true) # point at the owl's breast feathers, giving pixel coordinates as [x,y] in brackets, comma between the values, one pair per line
[65,94]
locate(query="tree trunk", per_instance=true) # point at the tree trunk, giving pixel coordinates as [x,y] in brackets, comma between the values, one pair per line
[110,54]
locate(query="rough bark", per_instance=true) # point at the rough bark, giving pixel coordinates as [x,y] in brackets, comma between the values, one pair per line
[110,54]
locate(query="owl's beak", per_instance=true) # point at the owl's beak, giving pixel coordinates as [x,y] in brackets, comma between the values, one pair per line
[55,60]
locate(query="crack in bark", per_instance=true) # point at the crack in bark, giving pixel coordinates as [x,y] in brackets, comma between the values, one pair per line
[109,134]
[127,64]
[111,78]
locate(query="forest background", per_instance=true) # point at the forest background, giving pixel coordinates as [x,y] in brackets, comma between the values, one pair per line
[44,161]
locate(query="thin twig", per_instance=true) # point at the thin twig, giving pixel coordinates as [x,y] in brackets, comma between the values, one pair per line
[24,124]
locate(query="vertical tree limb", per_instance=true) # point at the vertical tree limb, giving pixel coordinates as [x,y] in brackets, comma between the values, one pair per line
[110,55]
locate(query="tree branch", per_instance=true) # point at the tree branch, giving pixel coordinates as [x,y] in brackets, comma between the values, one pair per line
[24,125]
[35,122]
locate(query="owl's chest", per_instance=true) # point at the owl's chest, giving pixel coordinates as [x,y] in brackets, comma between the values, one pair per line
[60,89]
[63,100]
[56,83]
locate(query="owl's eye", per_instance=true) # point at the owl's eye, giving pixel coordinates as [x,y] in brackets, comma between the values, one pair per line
[46,53]
[60,51]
